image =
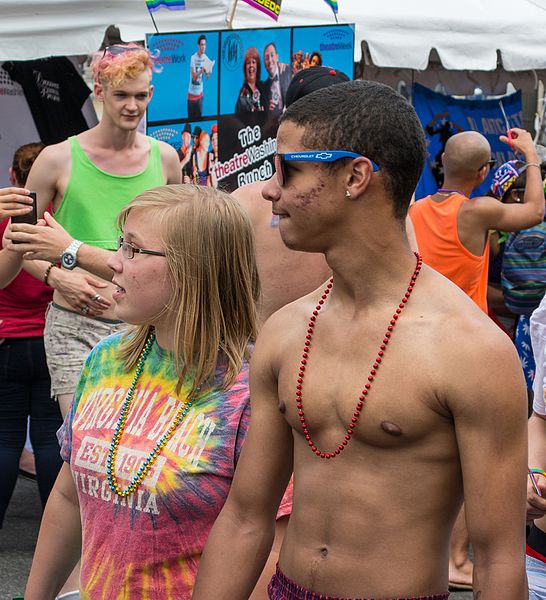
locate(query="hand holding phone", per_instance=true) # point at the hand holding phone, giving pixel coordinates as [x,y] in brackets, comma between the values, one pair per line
[30,218]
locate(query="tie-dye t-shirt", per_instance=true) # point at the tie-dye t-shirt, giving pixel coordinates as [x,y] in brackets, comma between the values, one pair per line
[148,545]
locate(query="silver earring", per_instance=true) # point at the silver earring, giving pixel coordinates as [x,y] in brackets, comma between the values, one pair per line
[347,194]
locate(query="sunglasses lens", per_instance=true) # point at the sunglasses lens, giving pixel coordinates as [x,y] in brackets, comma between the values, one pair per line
[117,50]
[279,169]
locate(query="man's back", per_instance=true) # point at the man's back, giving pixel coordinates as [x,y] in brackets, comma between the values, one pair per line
[435,222]
[285,274]
[452,230]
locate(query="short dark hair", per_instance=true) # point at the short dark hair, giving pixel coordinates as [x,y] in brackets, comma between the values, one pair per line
[201,38]
[271,44]
[371,119]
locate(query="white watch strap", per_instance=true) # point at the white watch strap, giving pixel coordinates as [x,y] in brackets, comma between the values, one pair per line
[73,248]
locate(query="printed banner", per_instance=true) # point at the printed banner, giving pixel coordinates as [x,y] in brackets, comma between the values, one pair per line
[271,8]
[155,5]
[443,116]
[220,94]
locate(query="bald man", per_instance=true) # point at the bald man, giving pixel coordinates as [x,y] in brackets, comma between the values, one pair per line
[452,233]
[452,230]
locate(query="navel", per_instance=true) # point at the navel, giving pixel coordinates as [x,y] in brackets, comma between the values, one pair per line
[391,428]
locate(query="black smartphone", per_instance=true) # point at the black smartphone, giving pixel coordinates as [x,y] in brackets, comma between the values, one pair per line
[30,218]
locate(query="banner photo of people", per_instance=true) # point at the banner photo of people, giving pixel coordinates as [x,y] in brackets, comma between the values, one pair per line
[443,116]
[219,94]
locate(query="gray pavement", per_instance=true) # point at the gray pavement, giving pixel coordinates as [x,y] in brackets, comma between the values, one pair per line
[18,537]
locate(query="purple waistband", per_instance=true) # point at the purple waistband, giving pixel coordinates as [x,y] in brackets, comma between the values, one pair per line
[282,588]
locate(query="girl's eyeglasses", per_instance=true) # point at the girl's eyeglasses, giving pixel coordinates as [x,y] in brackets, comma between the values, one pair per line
[128,250]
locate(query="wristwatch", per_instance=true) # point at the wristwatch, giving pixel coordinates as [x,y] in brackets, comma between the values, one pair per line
[69,256]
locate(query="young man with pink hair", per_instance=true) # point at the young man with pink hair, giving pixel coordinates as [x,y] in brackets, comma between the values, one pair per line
[88,179]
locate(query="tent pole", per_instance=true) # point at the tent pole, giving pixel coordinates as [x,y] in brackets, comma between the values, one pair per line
[231,14]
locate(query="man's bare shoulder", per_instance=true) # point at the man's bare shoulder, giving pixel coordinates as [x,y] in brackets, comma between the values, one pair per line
[52,164]
[167,151]
[446,303]
[480,208]
[470,351]
[251,199]
[55,155]
[285,325]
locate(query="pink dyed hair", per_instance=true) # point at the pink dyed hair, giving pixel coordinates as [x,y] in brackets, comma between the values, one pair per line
[114,69]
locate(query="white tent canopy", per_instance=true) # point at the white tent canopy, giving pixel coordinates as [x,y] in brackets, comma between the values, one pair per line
[467,34]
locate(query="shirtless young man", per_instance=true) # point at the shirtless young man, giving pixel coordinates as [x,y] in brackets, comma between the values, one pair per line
[400,419]
[89,178]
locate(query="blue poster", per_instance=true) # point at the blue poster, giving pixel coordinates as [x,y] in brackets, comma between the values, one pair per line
[219,94]
[443,116]
[197,147]
[254,62]
[325,46]
[187,85]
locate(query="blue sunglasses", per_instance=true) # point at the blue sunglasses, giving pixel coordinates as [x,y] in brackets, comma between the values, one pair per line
[314,156]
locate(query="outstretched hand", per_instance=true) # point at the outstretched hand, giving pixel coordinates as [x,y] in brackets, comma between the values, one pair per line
[520,140]
[14,202]
[45,241]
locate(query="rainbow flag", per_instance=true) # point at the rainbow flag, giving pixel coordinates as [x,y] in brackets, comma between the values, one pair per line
[155,5]
[333,5]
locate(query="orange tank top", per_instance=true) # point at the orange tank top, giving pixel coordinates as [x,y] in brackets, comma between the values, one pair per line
[435,225]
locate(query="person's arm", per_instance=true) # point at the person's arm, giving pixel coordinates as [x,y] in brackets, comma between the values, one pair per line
[11,264]
[59,542]
[241,538]
[193,72]
[514,217]
[171,164]
[46,173]
[489,408]
[48,243]
[536,506]
[78,288]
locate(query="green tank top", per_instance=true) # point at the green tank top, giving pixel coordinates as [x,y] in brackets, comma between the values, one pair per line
[94,198]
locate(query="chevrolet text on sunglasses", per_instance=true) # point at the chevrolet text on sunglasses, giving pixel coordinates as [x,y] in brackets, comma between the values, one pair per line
[313,156]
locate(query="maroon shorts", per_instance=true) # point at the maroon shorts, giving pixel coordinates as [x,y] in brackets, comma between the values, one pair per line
[282,588]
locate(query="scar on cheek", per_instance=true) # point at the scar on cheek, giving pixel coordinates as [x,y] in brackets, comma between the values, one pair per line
[312,195]
[391,428]
[282,406]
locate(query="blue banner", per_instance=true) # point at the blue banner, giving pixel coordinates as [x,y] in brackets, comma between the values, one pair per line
[443,116]
[219,95]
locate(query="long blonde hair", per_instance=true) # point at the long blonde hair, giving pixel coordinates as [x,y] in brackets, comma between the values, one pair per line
[209,247]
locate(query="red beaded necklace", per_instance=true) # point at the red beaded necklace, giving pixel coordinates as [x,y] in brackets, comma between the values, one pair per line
[371,376]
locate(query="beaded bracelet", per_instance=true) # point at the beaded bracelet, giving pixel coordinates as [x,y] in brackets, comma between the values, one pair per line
[47,272]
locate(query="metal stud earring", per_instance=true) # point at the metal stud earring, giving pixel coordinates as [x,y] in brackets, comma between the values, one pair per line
[347,194]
